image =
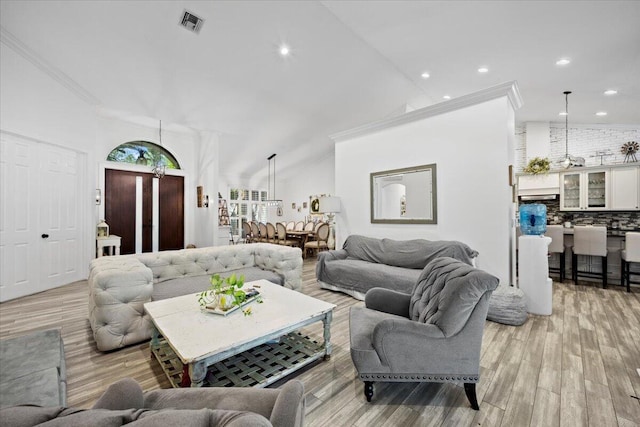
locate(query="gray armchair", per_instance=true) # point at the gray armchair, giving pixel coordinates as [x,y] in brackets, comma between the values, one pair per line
[433,334]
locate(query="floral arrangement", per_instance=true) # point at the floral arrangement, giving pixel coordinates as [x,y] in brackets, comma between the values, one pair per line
[538,165]
[225,293]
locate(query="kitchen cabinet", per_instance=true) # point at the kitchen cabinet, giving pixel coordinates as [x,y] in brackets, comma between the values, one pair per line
[585,190]
[625,188]
[539,184]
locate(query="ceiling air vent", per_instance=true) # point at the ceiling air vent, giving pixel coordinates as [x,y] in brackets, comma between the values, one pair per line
[191,22]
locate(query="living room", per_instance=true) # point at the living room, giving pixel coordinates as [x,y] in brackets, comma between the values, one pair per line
[338,90]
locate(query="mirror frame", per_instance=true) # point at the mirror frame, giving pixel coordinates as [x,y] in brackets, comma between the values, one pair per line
[434,195]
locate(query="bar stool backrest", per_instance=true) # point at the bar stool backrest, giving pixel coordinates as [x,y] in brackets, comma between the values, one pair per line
[588,240]
[556,232]
[632,247]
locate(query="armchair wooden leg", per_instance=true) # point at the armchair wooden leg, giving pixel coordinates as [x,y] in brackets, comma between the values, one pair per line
[368,390]
[470,390]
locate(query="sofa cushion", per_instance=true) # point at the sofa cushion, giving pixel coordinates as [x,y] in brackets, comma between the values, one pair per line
[32,369]
[447,293]
[415,253]
[193,284]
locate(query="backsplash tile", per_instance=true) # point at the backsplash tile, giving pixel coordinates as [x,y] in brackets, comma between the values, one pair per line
[611,219]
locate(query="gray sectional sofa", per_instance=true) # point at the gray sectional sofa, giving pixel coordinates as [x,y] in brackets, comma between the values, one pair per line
[120,285]
[366,262]
[124,402]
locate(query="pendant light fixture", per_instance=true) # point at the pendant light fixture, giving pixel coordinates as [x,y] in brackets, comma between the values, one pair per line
[566,163]
[272,201]
[159,168]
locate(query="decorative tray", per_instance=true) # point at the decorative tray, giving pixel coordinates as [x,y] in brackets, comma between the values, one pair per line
[215,310]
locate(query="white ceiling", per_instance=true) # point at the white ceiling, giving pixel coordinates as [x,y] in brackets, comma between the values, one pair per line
[352,62]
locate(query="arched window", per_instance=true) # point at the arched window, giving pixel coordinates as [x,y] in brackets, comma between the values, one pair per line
[143,153]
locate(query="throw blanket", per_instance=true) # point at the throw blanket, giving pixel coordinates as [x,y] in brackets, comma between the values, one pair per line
[406,253]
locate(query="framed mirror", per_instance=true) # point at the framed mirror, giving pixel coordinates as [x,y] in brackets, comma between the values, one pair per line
[404,196]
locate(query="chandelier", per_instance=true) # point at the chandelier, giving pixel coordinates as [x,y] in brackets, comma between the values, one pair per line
[273,201]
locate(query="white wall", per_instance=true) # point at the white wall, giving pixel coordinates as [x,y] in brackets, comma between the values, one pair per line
[314,178]
[472,148]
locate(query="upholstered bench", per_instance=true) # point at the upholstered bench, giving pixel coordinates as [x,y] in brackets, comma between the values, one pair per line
[32,370]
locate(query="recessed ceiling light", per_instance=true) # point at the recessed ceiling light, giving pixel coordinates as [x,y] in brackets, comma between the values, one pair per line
[446,97]
[562,113]
[601,113]
[563,61]
[610,92]
[425,75]
[284,50]
[483,70]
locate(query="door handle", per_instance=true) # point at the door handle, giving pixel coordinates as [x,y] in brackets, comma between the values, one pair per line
[45,236]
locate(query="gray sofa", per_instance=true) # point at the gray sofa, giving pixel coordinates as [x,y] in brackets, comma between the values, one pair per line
[366,262]
[125,403]
[120,285]
[33,370]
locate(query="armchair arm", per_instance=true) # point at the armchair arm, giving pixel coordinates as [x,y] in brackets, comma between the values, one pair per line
[389,335]
[388,301]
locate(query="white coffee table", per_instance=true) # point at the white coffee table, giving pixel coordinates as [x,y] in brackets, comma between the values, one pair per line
[200,340]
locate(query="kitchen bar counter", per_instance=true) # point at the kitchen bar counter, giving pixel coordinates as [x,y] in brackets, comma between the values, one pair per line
[611,232]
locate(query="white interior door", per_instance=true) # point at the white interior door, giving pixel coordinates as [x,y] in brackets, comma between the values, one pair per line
[40,240]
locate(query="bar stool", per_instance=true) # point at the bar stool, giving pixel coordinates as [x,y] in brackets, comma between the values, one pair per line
[590,241]
[556,232]
[631,253]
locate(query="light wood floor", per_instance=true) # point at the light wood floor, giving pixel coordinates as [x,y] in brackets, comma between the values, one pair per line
[577,367]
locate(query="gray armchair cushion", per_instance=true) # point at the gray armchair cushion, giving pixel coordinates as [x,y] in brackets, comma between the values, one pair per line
[447,292]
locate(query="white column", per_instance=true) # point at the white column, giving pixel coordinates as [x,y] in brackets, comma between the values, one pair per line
[155,215]
[138,214]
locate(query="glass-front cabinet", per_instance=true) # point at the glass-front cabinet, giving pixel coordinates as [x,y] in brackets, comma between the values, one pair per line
[586,190]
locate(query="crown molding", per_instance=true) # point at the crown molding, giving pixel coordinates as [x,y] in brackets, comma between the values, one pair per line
[508,89]
[56,74]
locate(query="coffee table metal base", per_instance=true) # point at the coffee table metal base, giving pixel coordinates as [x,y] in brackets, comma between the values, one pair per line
[256,367]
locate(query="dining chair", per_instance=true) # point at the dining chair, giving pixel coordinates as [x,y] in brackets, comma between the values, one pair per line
[246,229]
[299,226]
[263,232]
[322,236]
[309,226]
[290,225]
[281,236]
[271,233]
[255,232]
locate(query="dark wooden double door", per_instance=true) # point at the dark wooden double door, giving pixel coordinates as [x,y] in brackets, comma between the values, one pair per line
[120,210]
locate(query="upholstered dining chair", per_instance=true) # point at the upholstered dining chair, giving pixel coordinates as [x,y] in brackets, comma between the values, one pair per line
[309,226]
[246,229]
[321,241]
[290,225]
[299,226]
[271,233]
[432,335]
[263,232]
[255,232]
[281,236]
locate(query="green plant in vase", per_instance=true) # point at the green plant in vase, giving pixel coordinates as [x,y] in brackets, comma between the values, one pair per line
[224,293]
[538,165]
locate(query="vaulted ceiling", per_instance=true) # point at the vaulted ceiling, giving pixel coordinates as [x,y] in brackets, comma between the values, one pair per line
[350,62]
